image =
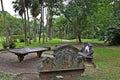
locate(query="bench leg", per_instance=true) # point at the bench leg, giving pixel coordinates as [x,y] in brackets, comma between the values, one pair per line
[39,53]
[20,57]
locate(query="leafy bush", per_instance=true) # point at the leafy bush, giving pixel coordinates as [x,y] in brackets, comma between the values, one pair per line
[21,38]
[12,45]
[113,34]
[4,44]
[16,36]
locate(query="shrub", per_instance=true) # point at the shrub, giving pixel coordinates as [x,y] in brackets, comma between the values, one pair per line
[113,34]
[21,40]
[12,45]
[5,45]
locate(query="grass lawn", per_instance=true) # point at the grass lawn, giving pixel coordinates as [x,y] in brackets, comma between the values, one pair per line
[107,60]
[52,42]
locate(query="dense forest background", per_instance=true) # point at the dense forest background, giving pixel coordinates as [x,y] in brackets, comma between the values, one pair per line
[65,19]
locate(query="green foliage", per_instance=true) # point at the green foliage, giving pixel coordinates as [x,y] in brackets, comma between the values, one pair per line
[21,40]
[61,27]
[12,45]
[85,18]
[18,37]
[35,8]
[13,23]
[113,34]
[5,45]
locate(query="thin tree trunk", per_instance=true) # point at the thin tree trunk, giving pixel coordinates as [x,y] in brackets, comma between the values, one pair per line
[4,14]
[78,30]
[34,29]
[47,27]
[40,31]
[42,22]
[25,27]
[29,40]
[79,38]
[22,25]
[50,26]
[43,25]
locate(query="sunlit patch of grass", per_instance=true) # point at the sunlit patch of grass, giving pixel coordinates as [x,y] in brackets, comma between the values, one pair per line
[92,40]
[53,42]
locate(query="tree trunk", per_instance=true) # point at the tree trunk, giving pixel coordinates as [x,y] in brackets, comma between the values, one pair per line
[22,28]
[25,27]
[50,26]
[40,31]
[47,18]
[79,38]
[34,29]
[78,30]
[42,22]
[4,14]
[29,40]
[43,25]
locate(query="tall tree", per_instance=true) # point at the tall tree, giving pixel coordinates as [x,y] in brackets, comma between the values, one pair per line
[25,26]
[76,11]
[4,14]
[42,20]
[51,7]
[35,11]
[19,5]
[27,6]
[18,8]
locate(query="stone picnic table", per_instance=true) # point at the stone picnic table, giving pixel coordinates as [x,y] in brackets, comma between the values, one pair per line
[21,52]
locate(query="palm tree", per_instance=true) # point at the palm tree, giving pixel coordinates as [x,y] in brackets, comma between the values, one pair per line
[4,14]
[19,5]
[25,26]
[27,6]
[19,9]
[35,10]
[42,20]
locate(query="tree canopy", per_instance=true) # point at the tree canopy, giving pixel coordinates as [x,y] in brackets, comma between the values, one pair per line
[77,19]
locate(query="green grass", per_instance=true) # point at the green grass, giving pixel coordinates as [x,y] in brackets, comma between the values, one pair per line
[92,40]
[9,76]
[37,44]
[56,41]
[107,60]
[52,42]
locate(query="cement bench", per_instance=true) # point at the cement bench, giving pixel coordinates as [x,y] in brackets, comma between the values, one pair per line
[25,51]
[65,64]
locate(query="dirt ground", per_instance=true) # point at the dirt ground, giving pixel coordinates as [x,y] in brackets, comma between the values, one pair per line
[28,67]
